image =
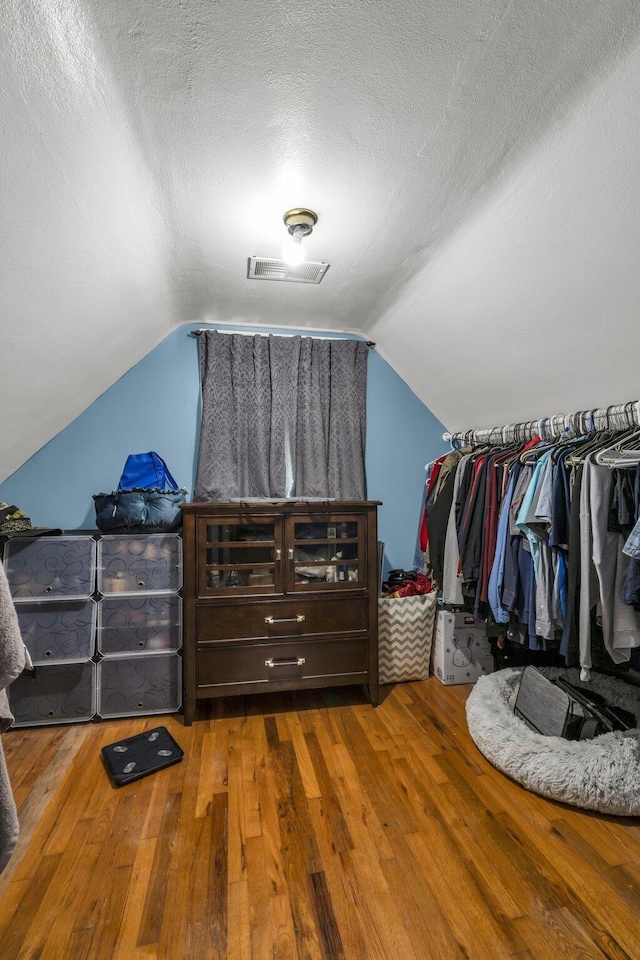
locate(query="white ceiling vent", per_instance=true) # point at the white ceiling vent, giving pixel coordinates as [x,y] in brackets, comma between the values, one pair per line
[265,268]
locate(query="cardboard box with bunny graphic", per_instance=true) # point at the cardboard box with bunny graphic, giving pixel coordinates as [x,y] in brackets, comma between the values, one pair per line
[461,650]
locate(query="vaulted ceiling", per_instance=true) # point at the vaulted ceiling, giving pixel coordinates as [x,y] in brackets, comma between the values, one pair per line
[474,165]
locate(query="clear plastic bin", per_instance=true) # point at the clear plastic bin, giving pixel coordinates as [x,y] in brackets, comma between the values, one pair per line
[143,624]
[133,564]
[60,631]
[139,685]
[60,693]
[50,568]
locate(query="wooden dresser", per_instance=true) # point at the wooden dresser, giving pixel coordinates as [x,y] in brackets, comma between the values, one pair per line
[279,596]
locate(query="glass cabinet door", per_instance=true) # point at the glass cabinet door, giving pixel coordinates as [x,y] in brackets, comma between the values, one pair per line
[239,555]
[325,554]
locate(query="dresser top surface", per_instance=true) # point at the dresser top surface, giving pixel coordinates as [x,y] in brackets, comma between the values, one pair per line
[287,506]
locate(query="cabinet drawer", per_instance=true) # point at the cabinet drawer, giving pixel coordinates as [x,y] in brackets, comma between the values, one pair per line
[268,662]
[280,618]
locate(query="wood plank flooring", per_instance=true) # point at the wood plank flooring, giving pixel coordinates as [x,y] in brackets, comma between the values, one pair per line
[308,827]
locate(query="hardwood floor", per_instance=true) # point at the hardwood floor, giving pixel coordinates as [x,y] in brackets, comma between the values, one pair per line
[308,827]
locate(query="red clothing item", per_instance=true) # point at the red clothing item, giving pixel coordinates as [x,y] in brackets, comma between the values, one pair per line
[411,588]
[424,534]
[490,531]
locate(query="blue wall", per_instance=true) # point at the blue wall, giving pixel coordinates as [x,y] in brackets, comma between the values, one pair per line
[155,406]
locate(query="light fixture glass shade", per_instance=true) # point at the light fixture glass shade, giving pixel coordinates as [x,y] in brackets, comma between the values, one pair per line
[292,252]
[300,223]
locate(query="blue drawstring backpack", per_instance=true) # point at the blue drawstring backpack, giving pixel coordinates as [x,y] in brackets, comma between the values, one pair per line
[147,499]
[146,471]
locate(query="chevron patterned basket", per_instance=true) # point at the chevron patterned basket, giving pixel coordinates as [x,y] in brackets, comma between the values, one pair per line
[405,633]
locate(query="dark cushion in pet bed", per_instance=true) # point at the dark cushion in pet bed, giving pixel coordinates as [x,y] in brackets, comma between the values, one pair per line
[600,774]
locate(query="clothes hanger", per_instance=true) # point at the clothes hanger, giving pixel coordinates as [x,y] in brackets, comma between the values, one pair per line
[589,445]
[574,435]
[506,452]
[592,439]
[533,454]
[601,444]
[620,454]
[523,435]
[568,436]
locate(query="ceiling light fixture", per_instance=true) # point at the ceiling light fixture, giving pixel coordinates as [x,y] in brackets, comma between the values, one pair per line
[300,223]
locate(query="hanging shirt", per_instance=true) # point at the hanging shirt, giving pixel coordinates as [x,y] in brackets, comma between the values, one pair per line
[560,503]
[526,609]
[526,518]
[496,577]
[622,507]
[603,570]
[570,634]
[537,589]
[437,513]
[494,499]
[418,553]
[631,591]
[561,591]
[432,477]
[451,582]
[464,488]
[548,610]
[512,587]
[471,531]
[632,544]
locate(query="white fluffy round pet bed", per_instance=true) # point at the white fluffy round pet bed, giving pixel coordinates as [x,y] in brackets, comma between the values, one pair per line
[600,774]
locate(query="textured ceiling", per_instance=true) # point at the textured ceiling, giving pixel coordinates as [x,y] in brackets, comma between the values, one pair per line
[473,164]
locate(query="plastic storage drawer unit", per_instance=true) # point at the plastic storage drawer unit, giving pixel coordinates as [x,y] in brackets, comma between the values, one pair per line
[140,564]
[139,685]
[143,624]
[50,568]
[60,693]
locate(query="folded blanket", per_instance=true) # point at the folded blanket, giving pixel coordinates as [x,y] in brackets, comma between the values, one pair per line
[13,658]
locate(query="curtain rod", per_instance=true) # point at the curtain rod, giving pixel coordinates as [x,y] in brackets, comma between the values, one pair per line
[246,333]
[619,416]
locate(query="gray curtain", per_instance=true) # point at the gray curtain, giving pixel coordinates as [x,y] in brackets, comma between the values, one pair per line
[281,417]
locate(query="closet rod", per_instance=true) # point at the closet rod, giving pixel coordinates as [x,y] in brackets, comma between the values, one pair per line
[246,333]
[619,416]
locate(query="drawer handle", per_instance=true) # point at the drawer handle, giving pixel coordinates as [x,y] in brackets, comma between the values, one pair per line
[299,619]
[296,662]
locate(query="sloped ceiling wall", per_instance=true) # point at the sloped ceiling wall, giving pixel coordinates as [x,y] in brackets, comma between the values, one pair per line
[474,165]
[535,301]
[84,252]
